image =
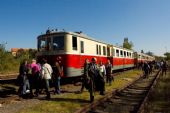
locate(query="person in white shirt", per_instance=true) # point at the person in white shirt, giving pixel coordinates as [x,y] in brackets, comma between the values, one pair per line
[46,73]
[102,74]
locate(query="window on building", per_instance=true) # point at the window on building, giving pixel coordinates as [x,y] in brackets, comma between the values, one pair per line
[74,42]
[82,46]
[104,50]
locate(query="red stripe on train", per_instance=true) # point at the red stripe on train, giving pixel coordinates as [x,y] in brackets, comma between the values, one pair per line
[77,61]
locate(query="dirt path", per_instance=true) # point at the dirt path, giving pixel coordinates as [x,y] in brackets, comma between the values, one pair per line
[13,104]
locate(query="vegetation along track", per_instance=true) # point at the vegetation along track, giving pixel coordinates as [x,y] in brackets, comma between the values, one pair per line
[129,99]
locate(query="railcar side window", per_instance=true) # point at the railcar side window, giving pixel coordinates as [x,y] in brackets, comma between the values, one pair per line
[58,43]
[124,53]
[108,51]
[130,55]
[113,52]
[97,49]
[74,42]
[104,50]
[121,53]
[138,56]
[127,54]
[82,46]
[117,52]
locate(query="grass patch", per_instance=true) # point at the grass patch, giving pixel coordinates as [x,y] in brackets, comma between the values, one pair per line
[159,99]
[71,102]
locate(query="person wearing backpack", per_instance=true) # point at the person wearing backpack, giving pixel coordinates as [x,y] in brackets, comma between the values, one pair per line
[46,73]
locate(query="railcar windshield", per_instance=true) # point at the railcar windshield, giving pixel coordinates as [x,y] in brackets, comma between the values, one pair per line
[51,43]
[58,43]
[42,44]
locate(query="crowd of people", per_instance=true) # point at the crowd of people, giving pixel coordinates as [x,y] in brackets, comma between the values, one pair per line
[38,75]
[94,76]
[148,67]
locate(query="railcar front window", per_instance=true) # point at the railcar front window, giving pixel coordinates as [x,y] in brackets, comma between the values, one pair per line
[48,44]
[42,44]
[58,43]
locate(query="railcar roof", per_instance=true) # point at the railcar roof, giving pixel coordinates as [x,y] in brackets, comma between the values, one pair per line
[81,35]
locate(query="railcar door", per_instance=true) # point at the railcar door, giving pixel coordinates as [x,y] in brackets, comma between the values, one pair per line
[81,52]
[110,53]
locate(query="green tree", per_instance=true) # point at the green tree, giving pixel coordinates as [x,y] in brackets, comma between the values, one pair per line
[127,44]
[167,55]
[32,53]
[7,62]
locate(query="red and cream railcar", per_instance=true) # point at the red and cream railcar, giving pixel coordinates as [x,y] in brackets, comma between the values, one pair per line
[122,58]
[75,47]
[141,58]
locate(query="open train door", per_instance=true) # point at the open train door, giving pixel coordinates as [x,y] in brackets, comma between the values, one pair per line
[110,53]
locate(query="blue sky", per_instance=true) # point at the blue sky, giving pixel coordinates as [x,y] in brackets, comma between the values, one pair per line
[144,22]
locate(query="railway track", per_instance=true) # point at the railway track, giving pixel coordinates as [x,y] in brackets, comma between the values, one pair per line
[128,100]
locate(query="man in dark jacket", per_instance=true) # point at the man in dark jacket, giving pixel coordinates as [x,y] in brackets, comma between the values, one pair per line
[58,73]
[86,78]
[109,72]
[146,69]
[93,73]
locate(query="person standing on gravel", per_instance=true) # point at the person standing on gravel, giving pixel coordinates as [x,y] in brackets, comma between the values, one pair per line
[46,72]
[101,75]
[86,78]
[93,73]
[24,86]
[34,78]
[109,72]
[164,67]
[57,74]
[146,69]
